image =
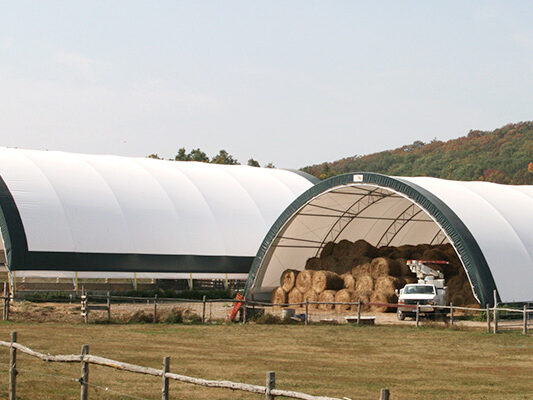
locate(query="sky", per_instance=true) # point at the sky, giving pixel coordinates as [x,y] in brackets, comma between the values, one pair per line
[289,82]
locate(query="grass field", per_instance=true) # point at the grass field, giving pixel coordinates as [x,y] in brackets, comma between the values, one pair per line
[425,363]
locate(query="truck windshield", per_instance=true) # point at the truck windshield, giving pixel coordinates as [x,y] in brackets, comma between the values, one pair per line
[419,289]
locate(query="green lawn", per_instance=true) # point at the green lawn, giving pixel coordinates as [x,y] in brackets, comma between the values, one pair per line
[425,363]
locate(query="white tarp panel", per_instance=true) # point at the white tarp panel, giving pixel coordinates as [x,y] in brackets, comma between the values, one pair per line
[500,218]
[111,204]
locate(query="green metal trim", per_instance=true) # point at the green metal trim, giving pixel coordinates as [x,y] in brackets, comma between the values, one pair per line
[313,179]
[469,251]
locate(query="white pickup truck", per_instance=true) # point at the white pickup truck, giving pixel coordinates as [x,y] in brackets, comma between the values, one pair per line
[428,292]
[427,295]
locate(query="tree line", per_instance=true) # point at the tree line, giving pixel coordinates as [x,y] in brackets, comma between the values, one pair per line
[504,155]
[223,157]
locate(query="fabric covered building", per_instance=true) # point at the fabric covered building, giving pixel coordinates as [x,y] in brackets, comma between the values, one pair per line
[488,225]
[65,212]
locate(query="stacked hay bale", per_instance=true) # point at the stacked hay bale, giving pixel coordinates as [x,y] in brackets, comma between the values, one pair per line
[351,272]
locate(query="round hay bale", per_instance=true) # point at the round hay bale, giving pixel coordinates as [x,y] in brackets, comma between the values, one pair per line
[404,268]
[458,299]
[363,298]
[364,283]
[384,251]
[409,279]
[405,251]
[304,280]
[288,279]
[342,248]
[361,248]
[462,273]
[295,296]
[311,295]
[455,284]
[395,254]
[468,293]
[361,261]
[379,297]
[279,296]
[329,296]
[466,286]
[344,264]
[329,263]
[384,266]
[445,247]
[361,269]
[326,280]
[343,296]
[388,284]
[420,248]
[313,264]
[349,281]
[327,250]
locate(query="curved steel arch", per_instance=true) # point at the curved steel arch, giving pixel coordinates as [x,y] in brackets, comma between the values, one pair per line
[462,239]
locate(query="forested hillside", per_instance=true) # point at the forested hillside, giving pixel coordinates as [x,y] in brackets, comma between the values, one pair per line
[504,155]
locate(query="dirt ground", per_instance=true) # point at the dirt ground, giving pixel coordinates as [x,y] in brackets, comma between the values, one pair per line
[25,311]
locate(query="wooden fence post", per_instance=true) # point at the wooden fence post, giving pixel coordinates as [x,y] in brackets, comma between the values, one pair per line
[417,317]
[384,395]
[5,310]
[84,380]
[166,366]
[203,309]
[452,316]
[307,311]
[495,294]
[488,318]
[270,384]
[359,312]
[524,331]
[7,301]
[13,368]
[155,309]
[108,307]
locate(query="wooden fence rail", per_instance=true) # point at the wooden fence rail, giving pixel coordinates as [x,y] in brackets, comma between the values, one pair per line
[85,359]
[493,315]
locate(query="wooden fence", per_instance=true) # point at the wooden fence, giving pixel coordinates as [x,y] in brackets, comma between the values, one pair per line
[85,359]
[498,318]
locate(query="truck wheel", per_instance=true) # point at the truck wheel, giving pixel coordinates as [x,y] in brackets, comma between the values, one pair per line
[401,315]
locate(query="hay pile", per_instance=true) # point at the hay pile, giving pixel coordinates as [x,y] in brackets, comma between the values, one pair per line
[357,271]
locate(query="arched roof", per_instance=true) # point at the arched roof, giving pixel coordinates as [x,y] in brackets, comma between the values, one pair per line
[488,224]
[65,211]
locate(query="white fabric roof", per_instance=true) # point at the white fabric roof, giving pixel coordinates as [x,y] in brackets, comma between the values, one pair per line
[110,204]
[500,218]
